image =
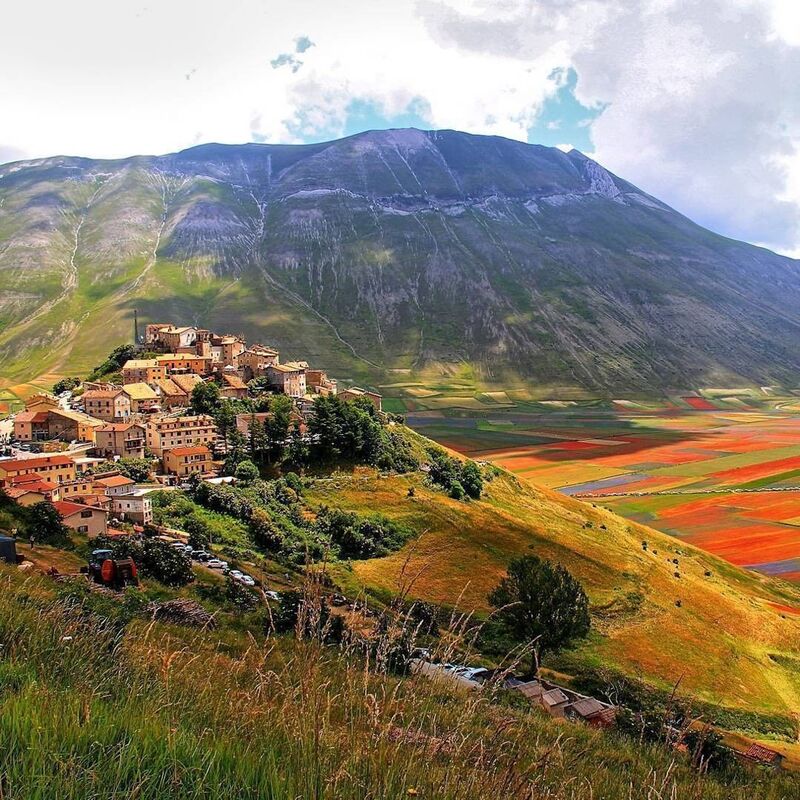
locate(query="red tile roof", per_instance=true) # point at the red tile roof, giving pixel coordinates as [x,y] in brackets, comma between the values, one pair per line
[101,394]
[115,480]
[116,427]
[38,486]
[234,381]
[66,509]
[758,752]
[190,451]
[16,464]
[31,416]
[31,477]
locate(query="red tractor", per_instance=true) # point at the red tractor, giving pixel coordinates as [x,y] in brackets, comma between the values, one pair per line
[116,573]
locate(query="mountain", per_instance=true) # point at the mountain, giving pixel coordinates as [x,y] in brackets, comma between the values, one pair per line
[399,250]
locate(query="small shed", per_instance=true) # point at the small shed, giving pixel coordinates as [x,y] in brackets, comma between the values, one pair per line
[554,702]
[533,690]
[8,549]
[759,754]
[592,711]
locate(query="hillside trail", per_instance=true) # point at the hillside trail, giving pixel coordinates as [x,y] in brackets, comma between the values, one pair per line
[169,189]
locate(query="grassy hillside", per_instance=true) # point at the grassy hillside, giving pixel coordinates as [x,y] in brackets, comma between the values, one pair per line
[96,703]
[733,640]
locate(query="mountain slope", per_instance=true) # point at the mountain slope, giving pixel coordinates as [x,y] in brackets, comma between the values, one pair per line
[391,250]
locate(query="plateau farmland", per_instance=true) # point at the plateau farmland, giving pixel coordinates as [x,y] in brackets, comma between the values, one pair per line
[721,473]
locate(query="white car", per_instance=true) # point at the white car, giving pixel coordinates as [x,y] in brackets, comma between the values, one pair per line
[246,580]
[216,563]
[235,573]
[270,595]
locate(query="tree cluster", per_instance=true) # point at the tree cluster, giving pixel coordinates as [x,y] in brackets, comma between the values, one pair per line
[352,431]
[115,361]
[66,385]
[459,479]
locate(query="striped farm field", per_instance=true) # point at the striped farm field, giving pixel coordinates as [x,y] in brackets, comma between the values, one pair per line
[726,479]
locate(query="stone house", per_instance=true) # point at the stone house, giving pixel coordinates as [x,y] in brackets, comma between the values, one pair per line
[27,490]
[165,432]
[233,387]
[143,370]
[177,339]
[185,461]
[225,350]
[123,439]
[135,506]
[90,520]
[255,361]
[56,469]
[318,382]
[110,405]
[143,398]
[171,395]
[289,379]
[182,363]
[354,391]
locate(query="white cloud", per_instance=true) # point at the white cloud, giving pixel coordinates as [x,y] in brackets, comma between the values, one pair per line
[703,108]
[702,105]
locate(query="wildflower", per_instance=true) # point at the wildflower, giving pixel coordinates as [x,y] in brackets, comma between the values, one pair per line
[412,792]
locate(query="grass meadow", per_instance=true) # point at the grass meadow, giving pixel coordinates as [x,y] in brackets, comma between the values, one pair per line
[92,707]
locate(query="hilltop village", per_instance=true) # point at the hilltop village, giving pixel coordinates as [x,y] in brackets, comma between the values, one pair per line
[64,448]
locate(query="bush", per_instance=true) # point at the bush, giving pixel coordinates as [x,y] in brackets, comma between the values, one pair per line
[457,491]
[239,595]
[246,472]
[361,537]
[458,479]
[293,481]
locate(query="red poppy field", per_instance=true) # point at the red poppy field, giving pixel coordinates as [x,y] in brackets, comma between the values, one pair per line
[725,479]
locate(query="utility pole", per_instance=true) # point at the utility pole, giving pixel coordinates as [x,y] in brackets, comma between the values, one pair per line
[135,327]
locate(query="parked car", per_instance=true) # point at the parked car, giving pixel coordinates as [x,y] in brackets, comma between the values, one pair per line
[270,595]
[216,563]
[246,580]
[201,555]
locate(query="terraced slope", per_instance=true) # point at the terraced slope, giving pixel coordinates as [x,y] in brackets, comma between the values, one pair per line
[392,250]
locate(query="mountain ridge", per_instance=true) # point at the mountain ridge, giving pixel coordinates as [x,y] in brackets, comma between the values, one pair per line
[404,249]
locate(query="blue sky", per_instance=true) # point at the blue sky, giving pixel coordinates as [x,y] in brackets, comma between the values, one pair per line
[562,120]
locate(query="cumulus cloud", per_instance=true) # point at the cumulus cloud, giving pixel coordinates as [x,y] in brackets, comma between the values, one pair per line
[696,102]
[702,106]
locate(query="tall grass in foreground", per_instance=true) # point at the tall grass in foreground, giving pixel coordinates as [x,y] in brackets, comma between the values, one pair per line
[89,711]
